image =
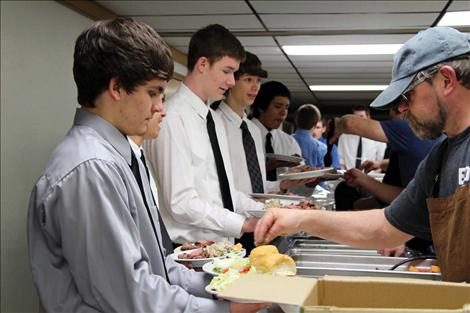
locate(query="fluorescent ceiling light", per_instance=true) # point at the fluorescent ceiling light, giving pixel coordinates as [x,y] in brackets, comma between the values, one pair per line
[342,49]
[347,87]
[461,18]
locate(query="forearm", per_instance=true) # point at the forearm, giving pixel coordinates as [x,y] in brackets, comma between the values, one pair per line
[384,192]
[351,124]
[365,229]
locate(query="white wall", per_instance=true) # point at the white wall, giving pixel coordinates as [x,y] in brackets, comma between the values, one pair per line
[38,100]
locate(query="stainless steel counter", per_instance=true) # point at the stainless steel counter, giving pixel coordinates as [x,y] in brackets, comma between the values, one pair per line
[317,258]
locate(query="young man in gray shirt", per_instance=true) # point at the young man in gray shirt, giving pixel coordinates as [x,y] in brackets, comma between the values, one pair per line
[94,237]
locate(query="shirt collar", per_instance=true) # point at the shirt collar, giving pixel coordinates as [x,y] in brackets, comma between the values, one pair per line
[110,133]
[231,115]
[263,129]
[137,150]
[196,103]
[303,132]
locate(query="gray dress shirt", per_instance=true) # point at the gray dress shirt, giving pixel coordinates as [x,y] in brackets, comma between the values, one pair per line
[90,240]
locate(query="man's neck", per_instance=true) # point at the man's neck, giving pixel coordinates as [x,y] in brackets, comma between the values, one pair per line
[236,105]
[195,85]
[458,114]
[138,140]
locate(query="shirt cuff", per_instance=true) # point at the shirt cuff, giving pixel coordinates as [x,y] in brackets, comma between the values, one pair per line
[234,223]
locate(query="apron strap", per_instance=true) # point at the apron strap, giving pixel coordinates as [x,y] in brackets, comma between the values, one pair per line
[439,159]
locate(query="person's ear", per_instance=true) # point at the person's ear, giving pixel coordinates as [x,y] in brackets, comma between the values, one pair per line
[449,79]
[201,64]
[114,89]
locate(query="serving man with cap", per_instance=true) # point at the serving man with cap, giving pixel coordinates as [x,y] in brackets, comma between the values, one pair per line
[431,83]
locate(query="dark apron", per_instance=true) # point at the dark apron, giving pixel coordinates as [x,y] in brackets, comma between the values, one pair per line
[450,227]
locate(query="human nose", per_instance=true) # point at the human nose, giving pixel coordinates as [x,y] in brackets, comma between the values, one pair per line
[157,106]
[256,86]
[284,111]
[231,80]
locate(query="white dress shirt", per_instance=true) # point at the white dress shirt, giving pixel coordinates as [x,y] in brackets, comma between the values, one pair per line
[347,150]
[282,142]
[191,200]
[232,122]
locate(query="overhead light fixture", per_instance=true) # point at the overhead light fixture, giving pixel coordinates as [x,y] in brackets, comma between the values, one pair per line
[347,87]
[459,18]
[342,49]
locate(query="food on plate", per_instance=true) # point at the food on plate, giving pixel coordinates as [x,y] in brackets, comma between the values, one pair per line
[262,250]
[263,259]
[276,264]
[220,282]
[267,259]
[196,245]
[242,265]
[272,203]
[301,205]
[424,269]
[213,250]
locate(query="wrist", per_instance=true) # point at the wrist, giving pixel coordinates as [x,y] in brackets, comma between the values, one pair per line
[283,186]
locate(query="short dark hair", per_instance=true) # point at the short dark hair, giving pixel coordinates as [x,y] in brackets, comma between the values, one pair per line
[214,42]
[307,116]
[251,66]
[266,94]
[360,107]
[130,51]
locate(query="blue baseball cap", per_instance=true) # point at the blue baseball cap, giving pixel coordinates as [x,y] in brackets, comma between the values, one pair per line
[428,47]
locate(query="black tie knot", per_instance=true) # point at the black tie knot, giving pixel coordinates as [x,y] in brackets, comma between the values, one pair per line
[243,126]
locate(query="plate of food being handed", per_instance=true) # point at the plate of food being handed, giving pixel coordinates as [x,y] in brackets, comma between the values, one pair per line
[262,260]
[304,204]
[207,251]
[328,171]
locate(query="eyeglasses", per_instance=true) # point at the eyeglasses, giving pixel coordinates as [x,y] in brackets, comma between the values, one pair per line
[420,77]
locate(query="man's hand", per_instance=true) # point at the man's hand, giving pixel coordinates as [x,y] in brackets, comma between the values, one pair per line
[354,177]
[277,222]
[249,225]
[369,165]
[397,251]
[247,307]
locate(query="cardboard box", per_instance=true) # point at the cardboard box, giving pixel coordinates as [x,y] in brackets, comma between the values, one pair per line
[351,294]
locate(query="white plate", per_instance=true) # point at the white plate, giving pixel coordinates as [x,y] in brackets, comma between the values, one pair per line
[201,262]
[307,174]
[378,176]
[287,158]
[209,267]
[276,196]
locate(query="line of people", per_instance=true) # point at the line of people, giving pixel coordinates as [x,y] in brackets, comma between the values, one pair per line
[99,240]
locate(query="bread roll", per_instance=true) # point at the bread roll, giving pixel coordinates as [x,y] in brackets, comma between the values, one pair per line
[276,264]
[262,250]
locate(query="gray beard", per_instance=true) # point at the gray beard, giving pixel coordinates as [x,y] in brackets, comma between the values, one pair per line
[429,129]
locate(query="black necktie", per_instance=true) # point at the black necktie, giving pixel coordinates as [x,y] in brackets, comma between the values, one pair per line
[219,163]
[359,153]
[252,160]
[136,172]
[271,175]
[165,236]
